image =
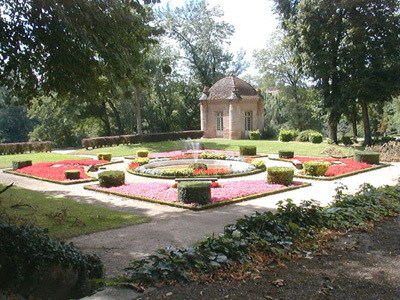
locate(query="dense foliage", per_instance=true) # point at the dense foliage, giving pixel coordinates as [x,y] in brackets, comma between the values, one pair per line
[273,234]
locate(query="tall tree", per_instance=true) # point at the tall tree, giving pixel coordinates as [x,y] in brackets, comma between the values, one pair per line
[351,48]
[70,47]
[203,39]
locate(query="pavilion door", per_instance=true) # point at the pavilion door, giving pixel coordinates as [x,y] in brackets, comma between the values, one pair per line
[220,124]
[247,123]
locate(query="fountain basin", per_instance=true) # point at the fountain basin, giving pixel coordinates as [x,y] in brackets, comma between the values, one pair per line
[158,168]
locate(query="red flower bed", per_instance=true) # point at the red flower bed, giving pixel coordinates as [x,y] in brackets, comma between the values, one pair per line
[55,170]
[347,165]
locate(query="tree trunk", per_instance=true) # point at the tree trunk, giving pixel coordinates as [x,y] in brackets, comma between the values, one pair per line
[333,122]
[354,120]
[117,117]
[105,119]
[367,129]
[137,111]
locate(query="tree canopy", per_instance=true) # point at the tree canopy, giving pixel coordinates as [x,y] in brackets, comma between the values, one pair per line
[69,46]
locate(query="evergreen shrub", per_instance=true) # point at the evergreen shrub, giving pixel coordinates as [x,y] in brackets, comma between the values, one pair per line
[315,168]
[21,164]
[142,153]
[194,192]
[104,156]
[285,154]
[111,178]
[248,150]
[316,138]
[286,135]
[72,174]
[255,135]
[280,175]
[367,157]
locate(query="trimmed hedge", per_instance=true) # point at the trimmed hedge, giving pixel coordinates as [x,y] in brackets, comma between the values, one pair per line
[316,138]
[21,164]
[280,175]
[315,168]
[20,148]
[286,154]
[346,140]
[248,150]
[104,156]
[111,178]
[194,192]
[142,153]
[367,157]
[98,142]
[255,135]
[286,135]
[72,174]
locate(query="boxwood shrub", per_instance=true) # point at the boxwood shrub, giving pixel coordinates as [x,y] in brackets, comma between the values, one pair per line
[21,164]
[104,156]
[280,175]
[111,178]
[255,135]
[72,174]
[285,154]
[316,138]
[367,157]
[194,192]
[286,135]
[315,168]
[248,150]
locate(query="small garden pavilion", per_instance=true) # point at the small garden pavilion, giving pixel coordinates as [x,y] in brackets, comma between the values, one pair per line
[230,109]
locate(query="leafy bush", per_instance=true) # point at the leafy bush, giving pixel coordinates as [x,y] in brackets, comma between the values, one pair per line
[211,155]
[315,168]
[196,166]
[286,135]
[111,178]
[316,138]
[280,175]
[104,156]
[248,150]
[72,174]
[21,164]
[346,140]
[15,148]
[275,234]
[194,192]
[142,153]
[285,154]
[367,157]
[29,259]
[304,136]
[255,135]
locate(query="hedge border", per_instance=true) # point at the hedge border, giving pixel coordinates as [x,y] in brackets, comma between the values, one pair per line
[372,168]
[92,178]
[102,141]
[203,207]
[20,148]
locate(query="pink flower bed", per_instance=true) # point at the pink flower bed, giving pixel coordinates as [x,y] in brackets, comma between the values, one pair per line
[225,191]
[348,165]
[55,170]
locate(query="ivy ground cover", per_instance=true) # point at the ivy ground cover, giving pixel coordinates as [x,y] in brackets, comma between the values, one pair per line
[221,193]
[339,167]
[54,171]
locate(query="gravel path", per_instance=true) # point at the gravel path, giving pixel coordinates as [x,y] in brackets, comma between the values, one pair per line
[179,227]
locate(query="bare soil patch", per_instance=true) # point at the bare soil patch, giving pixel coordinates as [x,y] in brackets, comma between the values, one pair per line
[358,265]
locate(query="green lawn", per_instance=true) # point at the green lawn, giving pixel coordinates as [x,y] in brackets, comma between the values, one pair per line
[64,218]
[6,160]
[268,147]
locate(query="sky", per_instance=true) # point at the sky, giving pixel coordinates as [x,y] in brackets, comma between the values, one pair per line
[253,20]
